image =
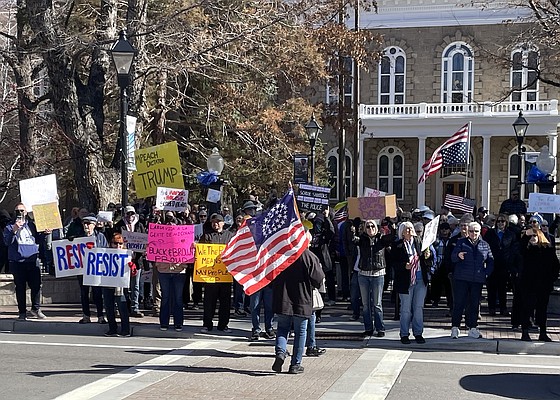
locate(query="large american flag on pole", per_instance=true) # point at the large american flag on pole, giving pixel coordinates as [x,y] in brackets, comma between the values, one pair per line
[266,245]
[453,151]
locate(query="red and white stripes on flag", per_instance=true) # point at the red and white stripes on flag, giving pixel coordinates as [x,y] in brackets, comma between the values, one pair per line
[459,203]
[453,151]
[266,245]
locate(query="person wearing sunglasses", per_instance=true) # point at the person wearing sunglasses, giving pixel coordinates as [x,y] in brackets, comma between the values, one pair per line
[474,262]
[540,271]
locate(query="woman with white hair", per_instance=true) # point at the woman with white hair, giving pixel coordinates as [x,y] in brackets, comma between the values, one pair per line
[412,267]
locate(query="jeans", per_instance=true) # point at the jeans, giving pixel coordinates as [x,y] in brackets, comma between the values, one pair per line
[371,290]
[171,298]
[238,296]
[412,309]
[109,299]
[300,332]
[466,294]
[310,342]
[355,300]
[262,297]
[344,276]
[134,291]
[27,273]
[84,297]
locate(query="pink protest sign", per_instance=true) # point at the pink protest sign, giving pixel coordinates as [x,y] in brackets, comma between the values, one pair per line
[170,243]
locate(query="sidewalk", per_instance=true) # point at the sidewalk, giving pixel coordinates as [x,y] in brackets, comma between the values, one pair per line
[335,330]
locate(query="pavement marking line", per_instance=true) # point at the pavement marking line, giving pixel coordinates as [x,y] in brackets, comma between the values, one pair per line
[485,364]
[101,346]
[380,381]
[134,379]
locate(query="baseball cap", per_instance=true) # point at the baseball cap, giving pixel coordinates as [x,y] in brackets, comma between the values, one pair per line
[203,213]
[248,204]
[130,209]
[216,216]
[429,215]
[90,218]
[482,209]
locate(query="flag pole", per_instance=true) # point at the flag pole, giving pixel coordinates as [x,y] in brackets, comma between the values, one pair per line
[468,158]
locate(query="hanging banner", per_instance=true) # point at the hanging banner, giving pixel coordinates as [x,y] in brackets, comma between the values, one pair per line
[131,141]
[107,267]
[208,265]
[68,256]
[135,241]
[47,216]
[40,190]
[313,198]
[170,243]
[171,199]
[157,166]
[301,168]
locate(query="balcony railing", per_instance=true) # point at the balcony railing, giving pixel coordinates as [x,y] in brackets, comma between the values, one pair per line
[437,110]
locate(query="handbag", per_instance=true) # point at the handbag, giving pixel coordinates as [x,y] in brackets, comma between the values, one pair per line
[317,300]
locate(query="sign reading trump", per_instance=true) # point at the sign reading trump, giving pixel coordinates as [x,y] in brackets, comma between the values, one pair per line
[68,256]
[107,267]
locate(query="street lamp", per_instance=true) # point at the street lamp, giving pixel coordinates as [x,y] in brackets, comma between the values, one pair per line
[123,56]
[313,130]
[215,162]
[520,128]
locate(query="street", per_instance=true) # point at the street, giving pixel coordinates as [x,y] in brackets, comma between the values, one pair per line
[84,367]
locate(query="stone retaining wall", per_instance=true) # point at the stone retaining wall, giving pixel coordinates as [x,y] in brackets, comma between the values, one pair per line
[61,290]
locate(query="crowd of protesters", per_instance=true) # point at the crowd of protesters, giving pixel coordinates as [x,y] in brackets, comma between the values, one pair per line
[359,260]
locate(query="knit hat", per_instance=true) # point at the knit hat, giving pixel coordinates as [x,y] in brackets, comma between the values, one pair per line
[536,217]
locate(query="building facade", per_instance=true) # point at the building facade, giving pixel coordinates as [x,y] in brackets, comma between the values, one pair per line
[443,66]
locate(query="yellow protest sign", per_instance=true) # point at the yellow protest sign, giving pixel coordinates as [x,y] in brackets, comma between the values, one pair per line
[157,166]
[208,265]
[47,216]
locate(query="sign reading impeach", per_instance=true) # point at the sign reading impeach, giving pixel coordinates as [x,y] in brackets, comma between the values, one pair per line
[157,166]
[170,243]
[208,265]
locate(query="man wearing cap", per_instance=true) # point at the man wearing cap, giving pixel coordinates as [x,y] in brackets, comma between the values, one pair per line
[214,292]
[249,209]
[89,223]
[482,213]
[513,205]
[131,222]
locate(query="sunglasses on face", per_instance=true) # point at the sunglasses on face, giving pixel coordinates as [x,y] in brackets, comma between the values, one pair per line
[370,226]
[118,242]
[500,221]
[472,231]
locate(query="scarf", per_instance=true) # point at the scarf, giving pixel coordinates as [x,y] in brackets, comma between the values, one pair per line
[413,260]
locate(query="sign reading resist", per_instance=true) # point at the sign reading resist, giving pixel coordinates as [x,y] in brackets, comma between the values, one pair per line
[68,256]
[107,267]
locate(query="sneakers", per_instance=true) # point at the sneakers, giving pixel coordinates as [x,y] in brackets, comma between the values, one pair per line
[178,328]
[225,330]
[254,336]
[240,313]
[37,314]
[315,351]
[163,328]
[419,339]
[278,362]
[111,333]
[137,314]
[455,333]
[85,320]
[204,330]
[22,316]
[269,334]
[295,369]
[101,320]
[405,340]
[474,333]
[125,334]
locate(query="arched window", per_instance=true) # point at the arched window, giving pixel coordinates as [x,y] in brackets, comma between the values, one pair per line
[513,173]
[392,76]
[332,168]
[458,77]
[390,171]
[524,82]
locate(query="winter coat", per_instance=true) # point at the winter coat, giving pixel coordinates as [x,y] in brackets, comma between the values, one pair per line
[321,236]
[372,251]
[477,264]
[540,267]
[399,258]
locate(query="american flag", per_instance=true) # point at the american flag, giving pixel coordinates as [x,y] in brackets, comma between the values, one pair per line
[266,245]
[459,203]
[452,151]
[341,211]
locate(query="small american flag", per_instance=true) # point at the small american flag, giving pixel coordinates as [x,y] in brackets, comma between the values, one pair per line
[266,245]
[459,203]
[453,151]
[341,211]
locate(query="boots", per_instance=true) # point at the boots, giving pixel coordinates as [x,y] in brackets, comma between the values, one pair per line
[543,337]
[525,335]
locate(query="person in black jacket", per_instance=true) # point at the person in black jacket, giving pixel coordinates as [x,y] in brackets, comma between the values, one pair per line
[371,276]
[292,303]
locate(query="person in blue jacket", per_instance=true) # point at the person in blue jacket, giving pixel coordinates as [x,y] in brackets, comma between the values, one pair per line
[473,263]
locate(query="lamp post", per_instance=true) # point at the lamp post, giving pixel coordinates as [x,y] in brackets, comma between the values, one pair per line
[215,163]
[123,56]
[520,128]
[313,130]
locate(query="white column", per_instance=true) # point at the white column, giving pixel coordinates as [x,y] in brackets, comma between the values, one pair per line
[360,175]
[553,149]
[486,171]
[421,191]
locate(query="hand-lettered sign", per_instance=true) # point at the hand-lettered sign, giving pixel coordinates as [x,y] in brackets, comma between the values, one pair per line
[544,203]
[172,199]
[135,241]
[313,198]
[170,243]
[68,256]
[107,267]
[47,216]
[208,265]
[372,207]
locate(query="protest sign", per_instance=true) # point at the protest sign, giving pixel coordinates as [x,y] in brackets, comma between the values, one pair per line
[105,216]
[170,243]
[131,141]
[313,198]
[107,267]
[430,233]
[213,195]
[147,276]
[135,241]
[68,256]
[171,199]
[208,265]
[39,190]
[544,203]
[47,216]
[157,166]
[369,192]
[372,207]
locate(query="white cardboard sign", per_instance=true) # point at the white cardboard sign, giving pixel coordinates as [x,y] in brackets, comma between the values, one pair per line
[430,233]
[39,190]
[170,199]
[544,203]
[107,267]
